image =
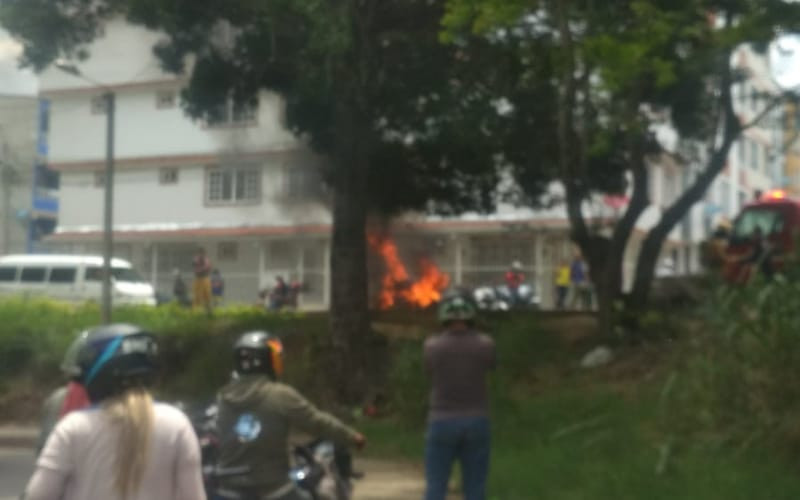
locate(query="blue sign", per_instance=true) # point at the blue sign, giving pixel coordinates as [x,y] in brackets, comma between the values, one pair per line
[45,204]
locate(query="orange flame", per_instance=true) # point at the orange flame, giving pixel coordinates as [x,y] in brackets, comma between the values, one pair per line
[396,283]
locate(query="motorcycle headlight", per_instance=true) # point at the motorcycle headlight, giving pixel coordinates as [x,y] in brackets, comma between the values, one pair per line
[298,475]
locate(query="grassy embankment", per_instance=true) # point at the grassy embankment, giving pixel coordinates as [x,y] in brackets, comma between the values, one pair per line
[641,428]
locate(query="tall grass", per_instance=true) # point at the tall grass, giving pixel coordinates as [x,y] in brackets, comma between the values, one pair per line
[740,383]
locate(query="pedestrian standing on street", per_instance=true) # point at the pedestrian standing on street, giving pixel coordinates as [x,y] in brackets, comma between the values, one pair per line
[458,362]
[125,447]
[201,291]
[562,285]
[217,287]
[580,283]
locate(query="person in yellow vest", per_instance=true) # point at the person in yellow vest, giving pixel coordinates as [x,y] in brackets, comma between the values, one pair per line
[562,284]
[201,289]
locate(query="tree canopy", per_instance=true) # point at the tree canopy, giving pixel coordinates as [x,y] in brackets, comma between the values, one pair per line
[590,80]
[365,82]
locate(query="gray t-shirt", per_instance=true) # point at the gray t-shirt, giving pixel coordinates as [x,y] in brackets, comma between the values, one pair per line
[458,365]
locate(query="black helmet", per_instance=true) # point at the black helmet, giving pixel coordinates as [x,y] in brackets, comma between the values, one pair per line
[106,360]
[258,352]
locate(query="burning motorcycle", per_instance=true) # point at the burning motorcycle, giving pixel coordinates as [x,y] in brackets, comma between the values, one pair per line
[321,468]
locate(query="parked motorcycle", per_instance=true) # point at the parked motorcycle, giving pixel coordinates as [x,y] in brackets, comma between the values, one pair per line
[275,300]
[502,298]
[320,467]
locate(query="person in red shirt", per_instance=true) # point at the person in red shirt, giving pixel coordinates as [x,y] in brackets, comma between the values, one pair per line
[515,278]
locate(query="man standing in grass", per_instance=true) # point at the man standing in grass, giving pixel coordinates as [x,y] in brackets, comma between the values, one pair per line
[458,361]
[201,289]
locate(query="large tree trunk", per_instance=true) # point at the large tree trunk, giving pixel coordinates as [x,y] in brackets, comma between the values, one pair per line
[349,311]
[349,315]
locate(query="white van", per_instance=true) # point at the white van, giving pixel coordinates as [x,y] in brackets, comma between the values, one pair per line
[72,278]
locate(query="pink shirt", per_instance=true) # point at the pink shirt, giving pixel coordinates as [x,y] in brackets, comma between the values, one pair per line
[77,462]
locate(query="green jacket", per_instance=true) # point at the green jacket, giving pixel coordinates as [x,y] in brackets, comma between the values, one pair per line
[254,421]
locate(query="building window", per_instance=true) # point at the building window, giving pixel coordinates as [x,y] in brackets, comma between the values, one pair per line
[168,176]
[99,105]
[166,99]
[228,251]
[302,182]
[740,149]
[753,155]
[233,185]
[725,198]
[233,114]
[99,179]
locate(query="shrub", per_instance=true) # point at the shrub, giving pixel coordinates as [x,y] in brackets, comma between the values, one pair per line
[195,349]
[741,380]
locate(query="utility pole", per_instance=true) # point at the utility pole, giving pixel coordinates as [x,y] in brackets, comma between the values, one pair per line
[108,204]
[108,209]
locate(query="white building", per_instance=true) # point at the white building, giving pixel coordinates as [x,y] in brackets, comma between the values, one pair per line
[246,189]
[18,118]
[755,163]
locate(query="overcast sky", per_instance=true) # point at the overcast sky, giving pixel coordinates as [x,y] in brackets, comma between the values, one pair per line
[12,79]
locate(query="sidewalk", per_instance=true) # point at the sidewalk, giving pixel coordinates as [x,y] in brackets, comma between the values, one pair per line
[18,436]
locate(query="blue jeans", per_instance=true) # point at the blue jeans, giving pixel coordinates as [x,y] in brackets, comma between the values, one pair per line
[464,439]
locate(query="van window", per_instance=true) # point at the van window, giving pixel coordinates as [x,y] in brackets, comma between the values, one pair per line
[8,273]
[63,275]
[33,274]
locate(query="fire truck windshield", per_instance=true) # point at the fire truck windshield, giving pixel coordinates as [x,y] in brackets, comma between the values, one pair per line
[769,220]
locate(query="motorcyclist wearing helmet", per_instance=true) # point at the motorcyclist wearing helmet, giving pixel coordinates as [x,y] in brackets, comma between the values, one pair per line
[124,447]
[256,414]
[65,399]
[458,361]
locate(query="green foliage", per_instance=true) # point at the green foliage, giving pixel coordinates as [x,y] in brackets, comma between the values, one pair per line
[740,383]
[369,80]
[195,349]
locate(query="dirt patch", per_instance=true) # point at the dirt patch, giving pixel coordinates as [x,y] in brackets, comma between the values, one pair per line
[573,328]
[390,480]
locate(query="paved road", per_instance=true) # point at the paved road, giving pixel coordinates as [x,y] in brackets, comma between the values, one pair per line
[16,465]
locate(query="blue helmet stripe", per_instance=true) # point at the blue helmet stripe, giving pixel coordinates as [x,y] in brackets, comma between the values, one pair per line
[108,352]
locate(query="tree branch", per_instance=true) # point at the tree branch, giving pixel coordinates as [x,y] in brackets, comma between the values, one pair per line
[653,242]
[760,116]
[566,128]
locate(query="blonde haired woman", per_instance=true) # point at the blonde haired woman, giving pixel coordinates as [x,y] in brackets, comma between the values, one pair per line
[125,447]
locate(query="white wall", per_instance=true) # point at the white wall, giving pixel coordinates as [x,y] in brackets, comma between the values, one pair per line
[141,201]
[143,130]
[122,55]
[123,59]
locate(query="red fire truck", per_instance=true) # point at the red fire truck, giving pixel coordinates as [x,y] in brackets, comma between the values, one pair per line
[763,236]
